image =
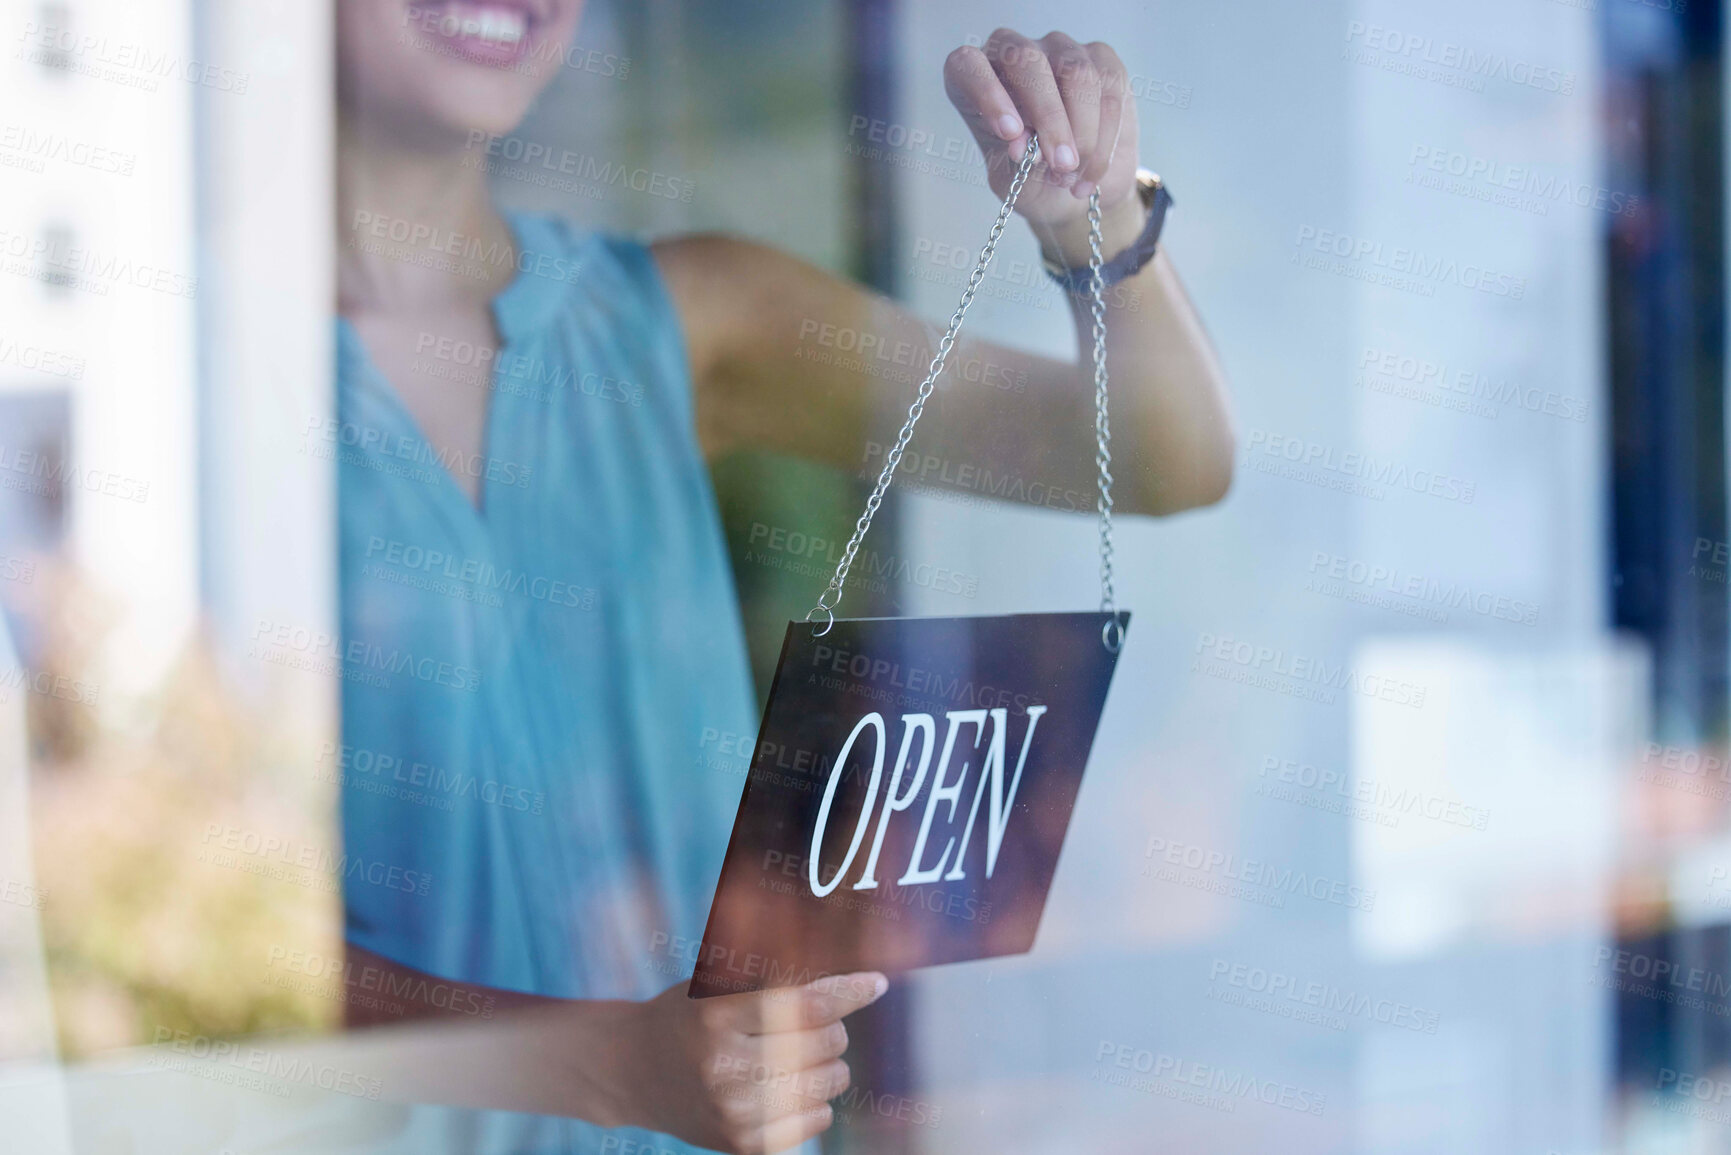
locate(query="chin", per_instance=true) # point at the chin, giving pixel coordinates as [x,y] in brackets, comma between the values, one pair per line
[435,72]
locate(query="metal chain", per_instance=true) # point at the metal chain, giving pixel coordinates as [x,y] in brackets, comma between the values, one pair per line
[831,596]
[1112,632]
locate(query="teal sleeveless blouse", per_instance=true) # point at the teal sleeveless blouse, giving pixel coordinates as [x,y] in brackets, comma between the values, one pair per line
[539,694]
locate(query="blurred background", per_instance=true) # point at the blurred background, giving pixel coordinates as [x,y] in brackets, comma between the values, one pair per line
[1465,267]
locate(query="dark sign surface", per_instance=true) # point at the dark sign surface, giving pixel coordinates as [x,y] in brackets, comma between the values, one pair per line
[908,796]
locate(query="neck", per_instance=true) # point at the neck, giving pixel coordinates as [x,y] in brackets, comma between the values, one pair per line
[404,213]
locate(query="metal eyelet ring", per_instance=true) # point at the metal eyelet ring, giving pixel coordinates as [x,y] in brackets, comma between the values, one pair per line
[1112,635]
[827,626]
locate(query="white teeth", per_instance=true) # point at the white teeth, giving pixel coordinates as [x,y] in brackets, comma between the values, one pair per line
[501,26]
[495,25]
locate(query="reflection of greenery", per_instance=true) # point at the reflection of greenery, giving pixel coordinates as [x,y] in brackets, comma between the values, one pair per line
[762,67]
[140,933]
[757,489]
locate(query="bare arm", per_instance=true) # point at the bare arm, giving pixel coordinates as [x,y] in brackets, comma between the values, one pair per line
[688,1067]
[788,358]
[789,375]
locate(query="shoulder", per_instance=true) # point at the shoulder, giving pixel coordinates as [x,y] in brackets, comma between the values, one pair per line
[549,247]
[698,252]
[732,293]
[564,269]
[714,273]
[698,266]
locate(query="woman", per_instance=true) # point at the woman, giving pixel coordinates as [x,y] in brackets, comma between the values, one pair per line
[539,622]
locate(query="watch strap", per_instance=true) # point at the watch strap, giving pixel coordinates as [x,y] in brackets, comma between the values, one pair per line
[1132,258]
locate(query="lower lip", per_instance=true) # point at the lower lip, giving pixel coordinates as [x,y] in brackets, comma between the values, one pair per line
[441,28]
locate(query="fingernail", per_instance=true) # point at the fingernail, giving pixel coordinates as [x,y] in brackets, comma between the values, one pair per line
[1064,157]
[1082,189]
[1009,127]
[879,985]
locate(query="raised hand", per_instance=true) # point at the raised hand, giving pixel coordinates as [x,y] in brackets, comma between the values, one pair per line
[1076,96]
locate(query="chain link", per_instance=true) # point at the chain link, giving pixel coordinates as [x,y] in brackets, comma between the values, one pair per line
[1112,633]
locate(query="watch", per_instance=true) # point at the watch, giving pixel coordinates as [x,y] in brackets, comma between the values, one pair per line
[1138,253]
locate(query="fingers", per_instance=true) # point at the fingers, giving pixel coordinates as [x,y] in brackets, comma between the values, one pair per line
[816,1004]
[1114,89]
[749,1088]
[760,1136]
[760,1091]
[778,1061]
[797,1050]
[795,1129]
[1029,80]
[974,88]
[1027,76]
[828,1080]
[1074,95]
[757,1102]
[1079,88]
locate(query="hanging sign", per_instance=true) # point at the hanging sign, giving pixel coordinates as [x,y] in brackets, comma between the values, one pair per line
[908,796]
[914,777]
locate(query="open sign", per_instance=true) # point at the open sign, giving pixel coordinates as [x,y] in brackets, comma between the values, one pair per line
[925,828]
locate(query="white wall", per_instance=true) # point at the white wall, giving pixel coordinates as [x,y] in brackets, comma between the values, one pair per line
[267,194]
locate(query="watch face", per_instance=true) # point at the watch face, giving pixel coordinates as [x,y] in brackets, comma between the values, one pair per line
[908,796]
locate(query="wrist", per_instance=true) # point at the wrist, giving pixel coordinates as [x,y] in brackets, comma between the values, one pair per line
[593,1047]
[629,1067]
[1120,224]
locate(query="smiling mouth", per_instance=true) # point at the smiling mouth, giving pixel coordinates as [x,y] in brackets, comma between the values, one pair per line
[489,33]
